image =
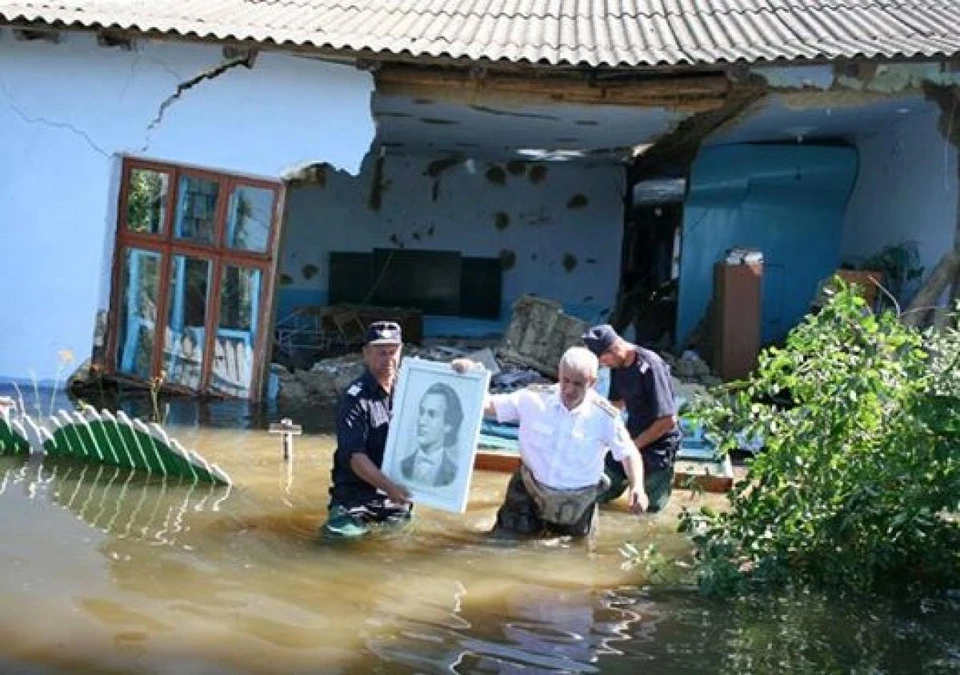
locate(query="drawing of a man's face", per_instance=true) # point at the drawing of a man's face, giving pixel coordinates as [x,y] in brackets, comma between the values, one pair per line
[439,418]
[431,423]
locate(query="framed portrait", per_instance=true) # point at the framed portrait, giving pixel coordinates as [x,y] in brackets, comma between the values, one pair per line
[433,435]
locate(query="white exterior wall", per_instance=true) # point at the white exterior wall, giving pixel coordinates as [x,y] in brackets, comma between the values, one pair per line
[68,111]
[542,229]
[906,191]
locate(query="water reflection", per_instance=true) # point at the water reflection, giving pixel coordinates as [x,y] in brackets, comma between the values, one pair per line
[117,500]
[109,570]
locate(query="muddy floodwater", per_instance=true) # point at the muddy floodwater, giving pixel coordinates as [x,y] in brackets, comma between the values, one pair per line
[107,571]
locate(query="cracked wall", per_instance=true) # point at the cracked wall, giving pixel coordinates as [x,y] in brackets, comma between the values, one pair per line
[906,191]
[68,111]
[556,227]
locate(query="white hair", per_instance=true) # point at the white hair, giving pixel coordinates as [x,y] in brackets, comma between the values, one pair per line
[579,361]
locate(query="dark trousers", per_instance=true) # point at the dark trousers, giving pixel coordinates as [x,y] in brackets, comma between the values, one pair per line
[657,483]
[519,515]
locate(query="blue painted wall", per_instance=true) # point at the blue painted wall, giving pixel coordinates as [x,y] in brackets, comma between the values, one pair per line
[906,192]
[70,111]
[562,231]
[787,201]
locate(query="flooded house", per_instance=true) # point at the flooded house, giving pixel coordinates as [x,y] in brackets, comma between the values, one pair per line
[193,190]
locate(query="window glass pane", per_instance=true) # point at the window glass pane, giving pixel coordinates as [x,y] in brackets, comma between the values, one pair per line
[140,279]
[147,200]
[186,316]
[249,215]
[236,331]
[196,209]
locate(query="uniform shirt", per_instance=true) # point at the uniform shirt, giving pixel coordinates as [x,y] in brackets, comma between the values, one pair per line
[564,449]
[363,420]
[646,389]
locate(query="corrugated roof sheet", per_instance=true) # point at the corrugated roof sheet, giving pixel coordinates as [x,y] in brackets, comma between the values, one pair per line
[575,32]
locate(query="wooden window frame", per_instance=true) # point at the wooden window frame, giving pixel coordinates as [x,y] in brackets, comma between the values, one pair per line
[218,255]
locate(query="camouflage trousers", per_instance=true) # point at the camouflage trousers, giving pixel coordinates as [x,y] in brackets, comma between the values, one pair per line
[520,515]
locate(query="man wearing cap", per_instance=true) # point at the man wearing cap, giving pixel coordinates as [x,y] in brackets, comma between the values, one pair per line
[565,432]
[640,382]
[361,495]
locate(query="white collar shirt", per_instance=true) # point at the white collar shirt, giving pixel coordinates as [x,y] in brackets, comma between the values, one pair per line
[564,449]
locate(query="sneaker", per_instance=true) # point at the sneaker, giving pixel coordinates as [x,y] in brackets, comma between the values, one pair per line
[342,525]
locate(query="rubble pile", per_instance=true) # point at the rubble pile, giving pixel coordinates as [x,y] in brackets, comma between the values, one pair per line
[538,334]
[328,378]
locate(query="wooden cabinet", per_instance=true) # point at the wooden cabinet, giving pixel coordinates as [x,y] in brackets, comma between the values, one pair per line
[736,337]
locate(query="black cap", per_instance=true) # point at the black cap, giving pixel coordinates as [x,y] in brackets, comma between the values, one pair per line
[599,338]
[384,333]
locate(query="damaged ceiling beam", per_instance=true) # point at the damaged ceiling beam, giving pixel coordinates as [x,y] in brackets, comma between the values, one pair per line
[692,93]
[681,145]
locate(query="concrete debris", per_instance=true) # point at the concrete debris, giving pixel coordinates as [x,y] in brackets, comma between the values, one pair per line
[690,366]
[486,357]
[538,334]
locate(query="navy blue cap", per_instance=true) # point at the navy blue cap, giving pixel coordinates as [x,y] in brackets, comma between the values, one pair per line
[384,333]
[599,338]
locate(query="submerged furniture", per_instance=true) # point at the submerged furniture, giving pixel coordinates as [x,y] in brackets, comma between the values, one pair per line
[736,336]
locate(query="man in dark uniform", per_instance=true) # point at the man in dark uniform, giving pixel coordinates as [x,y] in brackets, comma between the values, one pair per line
[640,382]
[361,494]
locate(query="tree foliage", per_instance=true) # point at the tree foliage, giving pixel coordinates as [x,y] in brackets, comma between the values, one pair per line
[859,481]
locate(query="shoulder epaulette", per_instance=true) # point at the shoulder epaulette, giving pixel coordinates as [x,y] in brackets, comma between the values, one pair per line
[606,406]
[354,389]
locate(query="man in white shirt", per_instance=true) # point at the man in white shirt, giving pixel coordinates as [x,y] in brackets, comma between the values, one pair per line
[565,432]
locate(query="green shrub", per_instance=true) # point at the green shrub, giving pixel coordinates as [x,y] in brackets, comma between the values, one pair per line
[859,480]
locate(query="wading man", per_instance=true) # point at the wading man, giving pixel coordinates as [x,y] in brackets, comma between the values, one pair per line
[640,382]
[565,432]
[361,495]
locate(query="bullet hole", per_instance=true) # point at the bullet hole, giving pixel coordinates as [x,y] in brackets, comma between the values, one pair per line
[507,259]
[587,298]
[285,280]
[309,271]
[438,166]
[496,175]
[501,220]
[516,167]
[416,236]
[569,262]
[435,191]
[587,123]
[577,202]
[537,174]
[533,256]
[430,231]
[395,240]
[591,261]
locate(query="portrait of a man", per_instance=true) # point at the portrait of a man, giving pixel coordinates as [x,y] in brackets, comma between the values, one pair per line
[432,439]
[434,460]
